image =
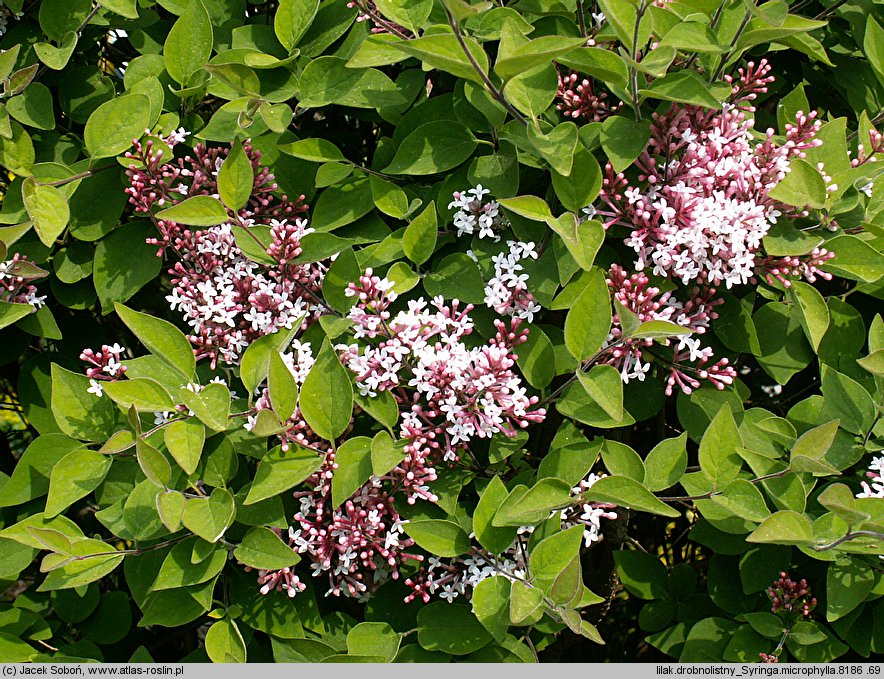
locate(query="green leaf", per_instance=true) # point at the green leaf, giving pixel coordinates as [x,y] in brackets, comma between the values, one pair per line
[491,605]
[48,209]
[847,400]
[33,107]
[598,63]
[666,463]
[623,140]
[456,277]
[283,387]
[235,178]
[224,642]
[101,561]
[604,386]
[353,459]
[839,499]
[210,517]
[255,364]
[153,463]
[262,548]
[625,492]
[719,460]
[581,187]
[79,413]
[530,207]
[179,569]
[369,639]
[802,186]
[552,555]
[589,319]
[125,8]
[280,470]
[534,505]
[743,499]
[327,396]
[57,58]
[784,527]
[385,453]
[532,91]
[31,477]
[583,239]
[14,650]
[658,330]
[493,538]
[557,147]
[189,43]
[847,586]
[685,87]
[316,150]
[854,259]
[873,39]
[643,574]
[439,537]
[621,460]
[170,508]
[141,393]
[874,362]
[419,239]
[11,312]
[450,628]
[185,440]
[784,350]
[327,80]
[293,18]
[534,53]
[124,263]
[161,338]
[17,150]
[74,476]
[211,405]
[196,211]
[433,148]
[113,125]
[443,52]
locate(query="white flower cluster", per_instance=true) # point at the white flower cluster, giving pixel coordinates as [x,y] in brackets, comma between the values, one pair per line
[876,475]
[470,572]
[507,292]
[217,299]
[473,215]
[714,236]
[588,514]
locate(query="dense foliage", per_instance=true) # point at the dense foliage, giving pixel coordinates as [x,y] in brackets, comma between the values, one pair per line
[432,330]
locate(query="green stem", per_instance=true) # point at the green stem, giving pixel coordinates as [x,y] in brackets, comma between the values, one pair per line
[492,89]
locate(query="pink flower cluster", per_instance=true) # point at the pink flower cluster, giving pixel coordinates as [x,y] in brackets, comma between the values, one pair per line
[690,360]
[700,207]
[447,393]
[357,546]
[104,365]
[578,99]
[791,597]
[226,298]
[16,275]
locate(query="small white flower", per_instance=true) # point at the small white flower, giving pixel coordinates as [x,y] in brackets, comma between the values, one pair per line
[95,388]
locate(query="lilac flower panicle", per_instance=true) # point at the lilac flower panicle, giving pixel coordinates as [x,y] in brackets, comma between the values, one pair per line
[701,205]
[227,299]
